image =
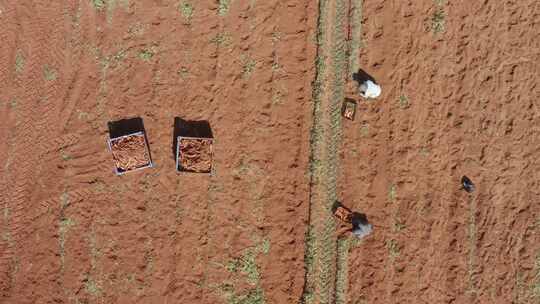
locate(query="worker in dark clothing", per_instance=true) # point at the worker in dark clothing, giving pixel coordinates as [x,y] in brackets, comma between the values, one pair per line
[467,184]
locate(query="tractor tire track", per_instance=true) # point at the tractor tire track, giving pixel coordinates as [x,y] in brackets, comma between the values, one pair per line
[32,130]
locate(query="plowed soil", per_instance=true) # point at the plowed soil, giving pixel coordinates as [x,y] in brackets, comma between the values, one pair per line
[460,96]
[73,232]
[462,101]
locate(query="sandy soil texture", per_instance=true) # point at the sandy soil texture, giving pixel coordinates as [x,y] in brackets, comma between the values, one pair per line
[130,152]
[460,82]
[73,232]
[460,96]
[195,155]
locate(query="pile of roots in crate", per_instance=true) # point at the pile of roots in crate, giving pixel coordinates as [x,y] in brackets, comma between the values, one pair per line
[194,154]
[130,152]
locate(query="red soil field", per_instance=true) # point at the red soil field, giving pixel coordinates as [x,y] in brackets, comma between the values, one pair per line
[73,232]
[469,106]
[460,96]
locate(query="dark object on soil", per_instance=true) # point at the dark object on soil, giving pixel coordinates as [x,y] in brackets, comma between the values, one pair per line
[467,184]
[129,145]
[361,226]
[349,109]
[194,154]
[130,152]
[125,127]
[359,222]
[362,76]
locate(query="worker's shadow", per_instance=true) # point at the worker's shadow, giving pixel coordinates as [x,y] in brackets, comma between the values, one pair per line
[361,76]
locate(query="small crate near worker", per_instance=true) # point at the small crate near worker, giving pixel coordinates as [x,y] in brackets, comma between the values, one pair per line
[348,109]
[341,212]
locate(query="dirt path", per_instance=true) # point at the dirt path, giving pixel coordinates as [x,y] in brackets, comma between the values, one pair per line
[328,93]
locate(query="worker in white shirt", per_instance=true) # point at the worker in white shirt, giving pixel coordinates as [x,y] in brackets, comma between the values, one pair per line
[369,89]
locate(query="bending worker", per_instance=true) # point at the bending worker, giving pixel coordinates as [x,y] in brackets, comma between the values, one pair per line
[360,225]
[369,89]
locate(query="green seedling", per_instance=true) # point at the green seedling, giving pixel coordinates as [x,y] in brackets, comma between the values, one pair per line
[19,62]
[49,73]
[393,249]
[403,101]
[248,66]
[146,54]
[186,9]
[98,4]
[392,193]
[221,39]
[438,20]
[223,7]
